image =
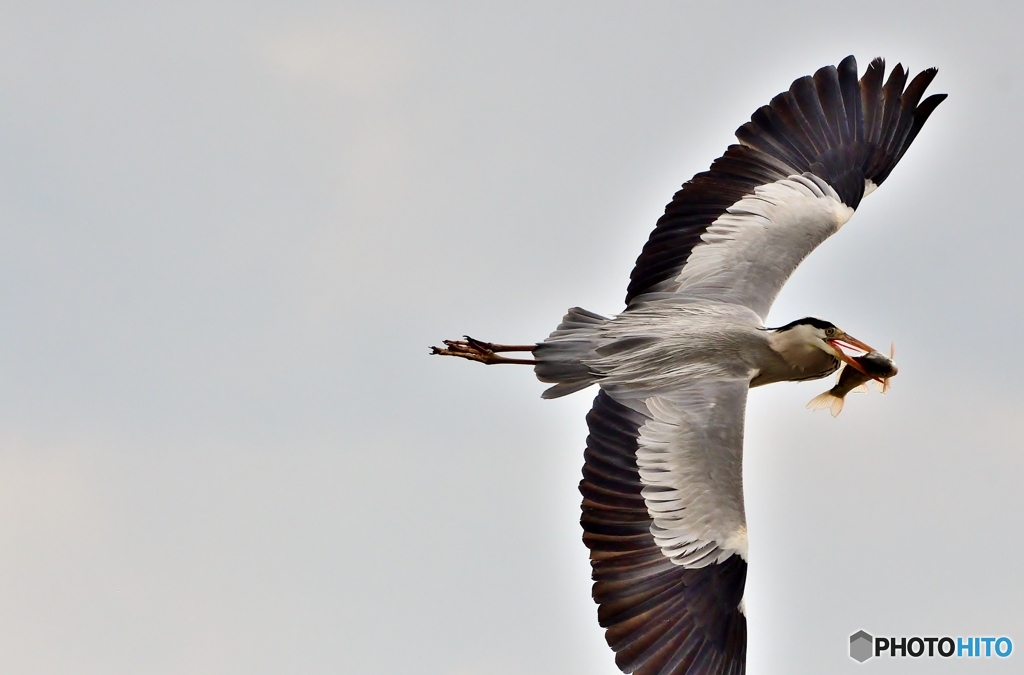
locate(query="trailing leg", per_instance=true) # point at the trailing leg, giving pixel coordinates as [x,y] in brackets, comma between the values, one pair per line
[483,352]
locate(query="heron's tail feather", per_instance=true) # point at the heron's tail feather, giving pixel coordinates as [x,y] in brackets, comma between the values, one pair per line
[560,358]
[827,400]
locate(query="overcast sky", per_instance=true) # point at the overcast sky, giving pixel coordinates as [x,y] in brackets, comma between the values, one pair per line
[230,230]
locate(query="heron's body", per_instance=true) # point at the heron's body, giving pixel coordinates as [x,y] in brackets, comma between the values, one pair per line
[652,348]
[662,489]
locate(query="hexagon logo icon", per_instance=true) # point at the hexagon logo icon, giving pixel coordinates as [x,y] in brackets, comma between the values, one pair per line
[861,644]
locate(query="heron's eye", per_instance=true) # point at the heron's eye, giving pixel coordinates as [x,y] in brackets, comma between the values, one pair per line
[830,332]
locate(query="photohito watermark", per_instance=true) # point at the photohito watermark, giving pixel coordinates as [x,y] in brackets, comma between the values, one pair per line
[864,646]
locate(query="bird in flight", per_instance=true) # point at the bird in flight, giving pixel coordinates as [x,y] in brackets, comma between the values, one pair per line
[662,481]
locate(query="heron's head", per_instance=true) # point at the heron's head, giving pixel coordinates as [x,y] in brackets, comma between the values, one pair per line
[798,342]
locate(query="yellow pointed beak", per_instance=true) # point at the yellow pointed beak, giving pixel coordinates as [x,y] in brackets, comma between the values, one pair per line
[849,342]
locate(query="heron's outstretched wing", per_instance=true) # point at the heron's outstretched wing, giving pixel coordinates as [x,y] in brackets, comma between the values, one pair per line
[736,232]
[663,519]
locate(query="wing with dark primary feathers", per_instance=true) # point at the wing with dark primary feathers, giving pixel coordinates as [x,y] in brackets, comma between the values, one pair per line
[662,482]
[667,580]
[735,233]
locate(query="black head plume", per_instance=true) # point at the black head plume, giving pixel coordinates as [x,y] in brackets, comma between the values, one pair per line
[806,321]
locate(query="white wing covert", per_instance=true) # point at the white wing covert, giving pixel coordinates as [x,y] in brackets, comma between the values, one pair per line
[749,252]
[690,460]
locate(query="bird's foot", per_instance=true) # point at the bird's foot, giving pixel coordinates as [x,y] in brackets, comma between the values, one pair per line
[483,352]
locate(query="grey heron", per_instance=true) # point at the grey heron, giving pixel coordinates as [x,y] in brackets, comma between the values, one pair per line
[663,512]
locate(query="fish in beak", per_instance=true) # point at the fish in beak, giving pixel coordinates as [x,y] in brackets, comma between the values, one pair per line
[846,341]
[852,378]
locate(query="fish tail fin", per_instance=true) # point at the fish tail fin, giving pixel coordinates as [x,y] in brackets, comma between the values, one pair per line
[826,400]
[837,406]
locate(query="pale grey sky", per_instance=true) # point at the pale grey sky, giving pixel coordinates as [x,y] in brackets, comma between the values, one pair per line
[229,231]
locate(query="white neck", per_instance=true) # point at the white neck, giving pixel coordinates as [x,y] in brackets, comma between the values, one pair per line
[799,346]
